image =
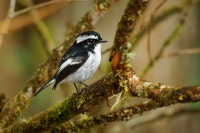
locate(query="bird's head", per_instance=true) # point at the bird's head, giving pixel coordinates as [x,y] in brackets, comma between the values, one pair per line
[89,37]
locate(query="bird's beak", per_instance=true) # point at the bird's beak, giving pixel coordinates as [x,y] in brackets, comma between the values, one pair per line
[102,41]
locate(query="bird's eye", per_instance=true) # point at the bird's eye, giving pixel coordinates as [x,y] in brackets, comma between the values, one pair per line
[90,41]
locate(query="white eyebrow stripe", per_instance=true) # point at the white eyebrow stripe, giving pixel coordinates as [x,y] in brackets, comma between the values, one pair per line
[85,37]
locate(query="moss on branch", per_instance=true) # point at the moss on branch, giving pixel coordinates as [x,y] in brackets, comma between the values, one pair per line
[123,114]
[127,113]
[73,105]
[165,94]
[121,47]
[161,95]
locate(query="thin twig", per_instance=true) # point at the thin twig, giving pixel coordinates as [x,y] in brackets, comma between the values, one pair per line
[149,29]
[163,114]
[6,23]
[28,9]
[42,29]
[106,50]
[169,12]
[168,41]
[158,19]
[182,52]
[24,20]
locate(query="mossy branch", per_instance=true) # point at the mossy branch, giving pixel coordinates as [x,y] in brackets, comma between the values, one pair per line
[161,95]
[124,114]
[73,105]
[46,70]
[121,47]
[165,94]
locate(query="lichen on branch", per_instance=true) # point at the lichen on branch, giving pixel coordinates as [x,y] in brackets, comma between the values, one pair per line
[121,47]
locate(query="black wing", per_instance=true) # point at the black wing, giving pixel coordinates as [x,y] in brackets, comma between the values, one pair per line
[70,53]
[79,57]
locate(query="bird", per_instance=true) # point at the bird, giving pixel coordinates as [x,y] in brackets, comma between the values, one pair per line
[79,62]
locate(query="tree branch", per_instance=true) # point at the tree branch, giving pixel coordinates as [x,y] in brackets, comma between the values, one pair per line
[165,94]
[161,95]
[121,47]
[123,114]
[129,112]
[73,105]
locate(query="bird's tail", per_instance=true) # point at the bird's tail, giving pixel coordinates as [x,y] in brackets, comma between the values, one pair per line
[43,87]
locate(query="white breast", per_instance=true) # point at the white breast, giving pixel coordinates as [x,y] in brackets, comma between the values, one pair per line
[88,68]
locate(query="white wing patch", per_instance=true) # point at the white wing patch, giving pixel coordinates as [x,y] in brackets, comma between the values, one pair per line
[66,63]
[73,63]
[85,37]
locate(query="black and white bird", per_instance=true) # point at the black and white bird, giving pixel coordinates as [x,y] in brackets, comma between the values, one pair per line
[80,61]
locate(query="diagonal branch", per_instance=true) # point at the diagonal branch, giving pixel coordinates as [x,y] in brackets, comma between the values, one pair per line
[123,114]
[42,29]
